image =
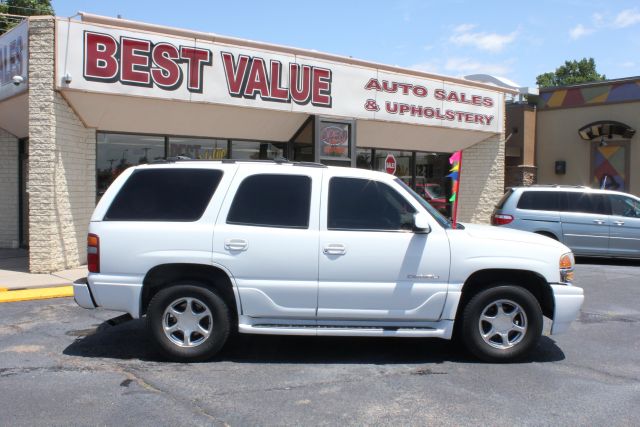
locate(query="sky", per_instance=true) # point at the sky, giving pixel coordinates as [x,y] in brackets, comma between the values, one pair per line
[514,39]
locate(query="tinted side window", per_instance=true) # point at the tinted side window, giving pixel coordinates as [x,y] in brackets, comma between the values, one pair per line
[272,201]
[587,203]
[624,206]
[539,200]
[361,204]
[164,195]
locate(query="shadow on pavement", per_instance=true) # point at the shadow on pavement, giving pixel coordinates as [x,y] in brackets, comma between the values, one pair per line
[130,340]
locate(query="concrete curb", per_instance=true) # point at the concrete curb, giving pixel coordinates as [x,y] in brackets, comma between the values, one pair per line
[35,293]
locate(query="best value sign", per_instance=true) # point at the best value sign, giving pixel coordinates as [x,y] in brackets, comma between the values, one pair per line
[13,60]
[120,61]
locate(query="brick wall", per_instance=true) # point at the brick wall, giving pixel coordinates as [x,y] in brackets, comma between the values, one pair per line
[481,180]
[8,190]
[61,164]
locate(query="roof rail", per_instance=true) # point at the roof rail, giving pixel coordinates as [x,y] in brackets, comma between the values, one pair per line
[279,160]
[559,186]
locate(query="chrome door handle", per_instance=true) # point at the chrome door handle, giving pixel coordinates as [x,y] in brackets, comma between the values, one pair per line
[236,244]
[334,249]
[618,222]
[598,221]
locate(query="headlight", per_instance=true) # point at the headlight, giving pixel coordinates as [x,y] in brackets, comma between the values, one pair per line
[566,267]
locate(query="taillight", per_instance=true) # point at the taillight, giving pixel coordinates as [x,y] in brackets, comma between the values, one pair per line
[93,253]
[500,219]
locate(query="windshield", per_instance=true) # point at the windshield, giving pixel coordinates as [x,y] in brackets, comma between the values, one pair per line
[434,191]
[434,213]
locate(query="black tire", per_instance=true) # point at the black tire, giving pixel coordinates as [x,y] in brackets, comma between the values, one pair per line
[502,336]
[209,333]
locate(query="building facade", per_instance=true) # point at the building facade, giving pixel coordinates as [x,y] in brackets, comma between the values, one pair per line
[81,100]
[586,135]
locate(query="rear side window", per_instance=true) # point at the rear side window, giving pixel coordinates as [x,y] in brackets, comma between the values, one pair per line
[271,200]
[587,203]
[540,200]
[361,204]
[504,199]
[164,195]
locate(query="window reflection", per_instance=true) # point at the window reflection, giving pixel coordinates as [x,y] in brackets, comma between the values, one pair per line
[117,152]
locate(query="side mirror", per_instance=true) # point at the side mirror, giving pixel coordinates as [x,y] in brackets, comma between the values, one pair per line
[421,223]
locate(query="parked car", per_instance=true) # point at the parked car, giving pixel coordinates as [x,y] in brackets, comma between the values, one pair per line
[431,192]
[205,248]
[591,222]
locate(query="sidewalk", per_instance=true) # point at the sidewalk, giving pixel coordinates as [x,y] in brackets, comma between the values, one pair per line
[15,277]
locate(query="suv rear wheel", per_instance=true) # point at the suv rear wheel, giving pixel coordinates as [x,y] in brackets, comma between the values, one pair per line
[502,323]
[188,321]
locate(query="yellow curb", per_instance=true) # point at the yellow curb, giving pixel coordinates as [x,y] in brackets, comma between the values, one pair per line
[38,293]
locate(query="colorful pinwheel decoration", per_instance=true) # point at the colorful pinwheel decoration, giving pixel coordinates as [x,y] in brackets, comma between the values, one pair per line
[456,163]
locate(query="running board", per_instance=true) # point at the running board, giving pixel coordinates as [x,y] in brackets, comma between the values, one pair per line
[444,330]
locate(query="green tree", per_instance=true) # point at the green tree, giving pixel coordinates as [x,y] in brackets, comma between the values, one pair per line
[22,8]
[571,73]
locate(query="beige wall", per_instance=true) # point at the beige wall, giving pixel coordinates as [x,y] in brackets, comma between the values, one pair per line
[8,190]
[61,182]
[481,180]
[557,139]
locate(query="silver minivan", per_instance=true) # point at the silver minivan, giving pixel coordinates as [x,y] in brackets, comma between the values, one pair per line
[591,222]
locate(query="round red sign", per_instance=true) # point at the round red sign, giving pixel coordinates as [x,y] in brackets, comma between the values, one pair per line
[390,164]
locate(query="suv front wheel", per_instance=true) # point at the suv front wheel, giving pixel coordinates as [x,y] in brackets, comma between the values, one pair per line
[188,321]
[502,323]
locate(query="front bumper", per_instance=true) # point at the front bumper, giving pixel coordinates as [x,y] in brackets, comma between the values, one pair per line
[567,303]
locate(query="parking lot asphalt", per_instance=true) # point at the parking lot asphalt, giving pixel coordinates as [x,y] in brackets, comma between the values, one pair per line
[62,365]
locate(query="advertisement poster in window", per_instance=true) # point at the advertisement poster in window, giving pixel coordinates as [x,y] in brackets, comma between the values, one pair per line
[334,138]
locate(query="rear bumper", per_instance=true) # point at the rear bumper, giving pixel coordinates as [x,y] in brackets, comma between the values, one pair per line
[567,303]
[82,294]
[113,292]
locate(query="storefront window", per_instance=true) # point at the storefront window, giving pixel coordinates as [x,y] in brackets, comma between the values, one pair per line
[363,158]
[334,140]
[255,150]
[116,152]
[198,148]
[431,181]
[401,161]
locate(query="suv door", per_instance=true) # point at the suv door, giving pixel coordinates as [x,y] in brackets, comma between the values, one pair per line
[372,266]
[625,226]
[585,223]
[267,237]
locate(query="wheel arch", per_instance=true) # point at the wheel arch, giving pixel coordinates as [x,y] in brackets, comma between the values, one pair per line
[161,276]
[489,278]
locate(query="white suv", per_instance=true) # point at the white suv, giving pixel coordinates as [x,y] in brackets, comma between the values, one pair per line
[206,248]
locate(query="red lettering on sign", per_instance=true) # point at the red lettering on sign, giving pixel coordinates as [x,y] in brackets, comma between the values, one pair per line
[257,80]
[234,73]
[300,84]
[167,74]
[373,84]
[100,63]
[134,61]
[321,96]
[278,93]
[141,63]
[196,60]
